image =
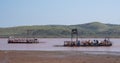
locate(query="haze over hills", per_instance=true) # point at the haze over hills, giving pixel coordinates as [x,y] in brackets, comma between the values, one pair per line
[93,29]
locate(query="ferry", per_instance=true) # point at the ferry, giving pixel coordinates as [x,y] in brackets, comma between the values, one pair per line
[105,42]
[88,43]
[23,40]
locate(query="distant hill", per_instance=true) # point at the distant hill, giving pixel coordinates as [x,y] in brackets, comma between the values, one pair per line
[94,29]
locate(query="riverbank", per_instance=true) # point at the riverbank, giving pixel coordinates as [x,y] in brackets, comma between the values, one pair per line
[55,57]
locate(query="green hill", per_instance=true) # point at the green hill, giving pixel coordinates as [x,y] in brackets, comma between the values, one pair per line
[94,29]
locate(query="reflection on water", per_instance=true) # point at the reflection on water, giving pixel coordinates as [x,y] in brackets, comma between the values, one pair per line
[49,44]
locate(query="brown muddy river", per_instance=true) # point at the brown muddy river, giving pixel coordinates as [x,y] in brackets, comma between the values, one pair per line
[49,45]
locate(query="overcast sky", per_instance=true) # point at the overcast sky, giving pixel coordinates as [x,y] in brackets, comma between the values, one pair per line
[63,12]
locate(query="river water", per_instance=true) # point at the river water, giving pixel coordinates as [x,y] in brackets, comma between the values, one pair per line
[48,44]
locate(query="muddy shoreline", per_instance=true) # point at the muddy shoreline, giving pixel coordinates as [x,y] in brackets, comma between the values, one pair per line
[56,57]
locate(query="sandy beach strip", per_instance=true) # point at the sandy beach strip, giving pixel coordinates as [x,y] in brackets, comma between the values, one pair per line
[55,57]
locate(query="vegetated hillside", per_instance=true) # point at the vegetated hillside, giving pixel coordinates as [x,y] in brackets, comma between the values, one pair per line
[94,29]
